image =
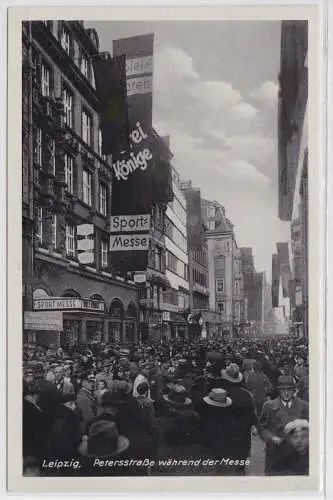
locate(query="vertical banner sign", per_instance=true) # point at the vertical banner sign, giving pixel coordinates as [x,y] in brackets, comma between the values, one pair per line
[139,74]
[86,243]
[110,78]
[195,233]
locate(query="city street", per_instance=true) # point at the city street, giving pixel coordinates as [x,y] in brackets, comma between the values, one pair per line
[257,464]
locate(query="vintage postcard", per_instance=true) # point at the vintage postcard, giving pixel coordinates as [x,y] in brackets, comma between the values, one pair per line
[165,234]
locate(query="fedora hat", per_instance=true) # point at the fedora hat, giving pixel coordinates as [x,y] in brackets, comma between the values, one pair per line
[218,397]
[177,396]
[296,425]
[104,439]
[286,382]
[232,374]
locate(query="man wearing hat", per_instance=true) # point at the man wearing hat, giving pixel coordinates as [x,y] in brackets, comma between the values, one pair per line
[85,400]
[66,433]
[244,412]
[104,442]
[277,413]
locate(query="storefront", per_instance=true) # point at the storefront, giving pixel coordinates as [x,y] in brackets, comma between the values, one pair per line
[87,320]
[150,325]
[174,325]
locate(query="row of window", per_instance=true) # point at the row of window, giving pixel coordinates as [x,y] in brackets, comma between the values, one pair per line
[175,235]
[200,301]
[177,298]
[176,265]
[199,278]
[220,285]
[200,256]
[70,237]
[45,80]
[221,306]
[81,58]
[70,174]
[154,293]
[178,210]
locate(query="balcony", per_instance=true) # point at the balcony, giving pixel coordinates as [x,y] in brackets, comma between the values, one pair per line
[147,303]
[172,308]
[200,289]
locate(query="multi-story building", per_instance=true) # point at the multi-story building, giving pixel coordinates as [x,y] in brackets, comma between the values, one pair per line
[281,281]
[67,189]
[177,296]
[156,283]
[202,320]
[293,149]
[254,285]
[226,290]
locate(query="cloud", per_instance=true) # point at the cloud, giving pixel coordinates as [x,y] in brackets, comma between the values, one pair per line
[254,147]
[245,111]
[266,92]
[212,126]
[246,171]
[216,94]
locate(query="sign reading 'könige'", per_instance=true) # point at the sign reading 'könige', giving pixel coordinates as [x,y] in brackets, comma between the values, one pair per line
[136,159]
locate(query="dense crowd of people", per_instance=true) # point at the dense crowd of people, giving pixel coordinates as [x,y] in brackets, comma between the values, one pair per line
[175,407]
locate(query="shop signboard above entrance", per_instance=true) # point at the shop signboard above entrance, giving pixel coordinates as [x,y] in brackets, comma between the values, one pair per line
[43,320]
[68,303]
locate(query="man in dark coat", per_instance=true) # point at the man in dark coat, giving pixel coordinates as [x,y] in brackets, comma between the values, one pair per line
[85,401]
[277,413]
[66,432]
[244,413]
[34,423]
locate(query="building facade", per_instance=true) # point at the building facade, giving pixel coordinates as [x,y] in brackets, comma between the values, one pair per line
[67,186]
[226,287]
[293,160]
[254,286]
[177,296]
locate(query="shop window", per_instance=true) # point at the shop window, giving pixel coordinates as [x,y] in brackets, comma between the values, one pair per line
[71,330]
[115,331]
[94,330]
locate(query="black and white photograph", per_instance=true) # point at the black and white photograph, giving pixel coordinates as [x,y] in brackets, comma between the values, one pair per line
[165,248]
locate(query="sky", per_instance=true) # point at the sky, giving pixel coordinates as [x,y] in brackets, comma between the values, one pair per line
[215,93]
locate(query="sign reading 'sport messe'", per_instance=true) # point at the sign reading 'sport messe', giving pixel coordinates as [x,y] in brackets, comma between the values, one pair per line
[131,232]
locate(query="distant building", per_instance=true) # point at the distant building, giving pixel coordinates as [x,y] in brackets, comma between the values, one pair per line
[293,159]
[226,293]
[202,320]
[254,284]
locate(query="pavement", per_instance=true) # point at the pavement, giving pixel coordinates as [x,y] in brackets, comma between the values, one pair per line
[257,459]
